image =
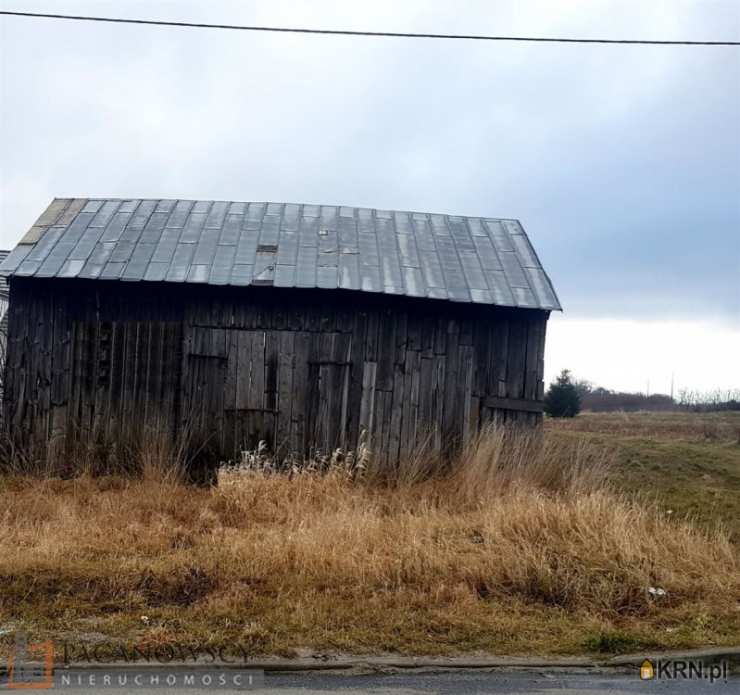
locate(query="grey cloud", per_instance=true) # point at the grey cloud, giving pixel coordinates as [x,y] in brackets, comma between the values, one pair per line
[623,163]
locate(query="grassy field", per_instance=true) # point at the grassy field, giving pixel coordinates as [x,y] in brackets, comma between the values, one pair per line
[687,464]
[516,552]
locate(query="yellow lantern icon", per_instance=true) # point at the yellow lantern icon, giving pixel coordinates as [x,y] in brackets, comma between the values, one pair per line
[647,672]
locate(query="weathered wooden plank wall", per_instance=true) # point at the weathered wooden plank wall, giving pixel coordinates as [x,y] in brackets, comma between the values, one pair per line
[307,371]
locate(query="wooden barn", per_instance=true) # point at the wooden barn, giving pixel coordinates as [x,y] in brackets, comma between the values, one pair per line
[307,327]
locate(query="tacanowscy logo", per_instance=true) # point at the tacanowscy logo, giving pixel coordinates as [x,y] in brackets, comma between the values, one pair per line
[37,674]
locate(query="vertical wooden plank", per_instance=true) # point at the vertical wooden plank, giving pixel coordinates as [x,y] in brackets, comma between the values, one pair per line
[302,347]
[481,348]
[295,318]
[327,317]
[243,379]
[217,380]
[314,414]
[46,348]
[199,402]
[226,306]
[130,371]
[286,361]
[414,333]
[416,436]
[451,416]
[541,361]
[371,336]
[356,373]
[279,317]
[342,353]
[73,408]
[243,369]
[427,335]
[20,380]
[381,429]
[144,353]
[30,413]
[410,406]
[325,393]
[475,415]
[22,393]
[367,403]
[24,413]
[440,336]
[36,424]
[395,417]
[427,395]
[101,396]
[466,331]
[400,320]
[256,394]
[153,373]
[498,366]
[186,420]
[63,326]
[13,352]
[171,368]
[384,417]
[60,369]
[516,358]
[33,359]
[313,318]
[272,344]
[532,357]
[345,318]
[89,373]
[438,401]
[231,444]
[465,391]
[386,352]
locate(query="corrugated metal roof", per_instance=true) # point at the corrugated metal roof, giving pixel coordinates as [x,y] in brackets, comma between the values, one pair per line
[463,259]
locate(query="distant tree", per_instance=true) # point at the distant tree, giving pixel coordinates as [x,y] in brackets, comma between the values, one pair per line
[563,398]
[583,387]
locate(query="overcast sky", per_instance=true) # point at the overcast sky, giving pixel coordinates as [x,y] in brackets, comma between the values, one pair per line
[622,162]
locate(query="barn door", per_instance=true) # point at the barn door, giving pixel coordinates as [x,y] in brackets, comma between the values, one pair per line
[328,393]
[205,360]
[288,389]
[248,406]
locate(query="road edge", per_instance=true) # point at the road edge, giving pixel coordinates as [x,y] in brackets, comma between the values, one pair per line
[626,662]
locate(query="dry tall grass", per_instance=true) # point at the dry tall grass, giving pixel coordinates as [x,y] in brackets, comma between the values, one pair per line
[519,544]
[149,451]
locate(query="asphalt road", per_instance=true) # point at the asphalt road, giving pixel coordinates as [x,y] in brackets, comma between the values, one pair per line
[454,683]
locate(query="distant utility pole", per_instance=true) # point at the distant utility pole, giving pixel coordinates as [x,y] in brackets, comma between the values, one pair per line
[673,374]
[647,393]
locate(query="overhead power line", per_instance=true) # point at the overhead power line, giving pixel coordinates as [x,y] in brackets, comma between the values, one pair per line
[349,32]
